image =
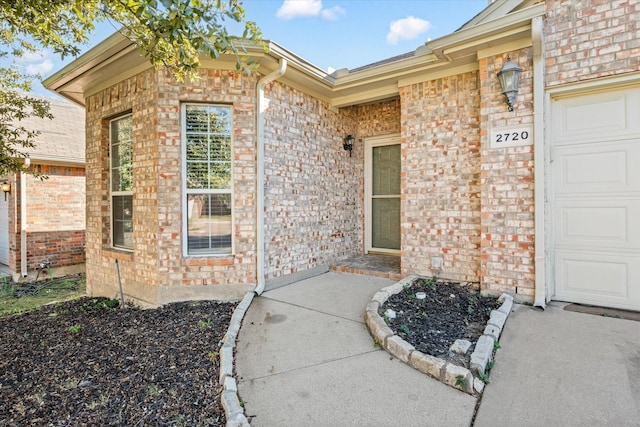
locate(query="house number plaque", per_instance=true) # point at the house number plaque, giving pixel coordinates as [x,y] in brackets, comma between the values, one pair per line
[515,136]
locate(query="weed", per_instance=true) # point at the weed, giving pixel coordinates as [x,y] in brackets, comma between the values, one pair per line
[424,314]
[74,329]
[153,390]
[376,343]
[496,345]
[386,319]
[242,403]
[404,328]
[213,356]
[461,382]
[490,364]
[406,286]
[205,323]
[70,384]
[484,377]
[412,296]
[470,309]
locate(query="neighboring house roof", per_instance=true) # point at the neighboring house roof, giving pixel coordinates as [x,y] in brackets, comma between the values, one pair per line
[62,138]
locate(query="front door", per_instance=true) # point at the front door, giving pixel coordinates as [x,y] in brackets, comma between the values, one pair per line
[382,185]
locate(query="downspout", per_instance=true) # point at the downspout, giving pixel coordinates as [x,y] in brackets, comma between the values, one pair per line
[539,162]
[23,220]
[262,105]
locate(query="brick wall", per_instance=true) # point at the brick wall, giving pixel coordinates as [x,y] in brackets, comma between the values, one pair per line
[138,271]
[58,202]
[312,187]
[221,87]
[55,220]
[441,168]
[155,271]
[507,187]
[591,38]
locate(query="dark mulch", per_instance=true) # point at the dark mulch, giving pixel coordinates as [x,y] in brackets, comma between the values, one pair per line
[83,363]
[449,312]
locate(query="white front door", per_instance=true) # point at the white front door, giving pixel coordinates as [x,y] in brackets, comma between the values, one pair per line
[4,229]
[595,207]
[382,194]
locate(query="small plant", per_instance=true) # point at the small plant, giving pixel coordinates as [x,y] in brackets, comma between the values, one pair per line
[484,377]
[424,314]
[213,356]
[490,364]
[461,382]
[385,318]
[70,384]
[205,323]
[496,345]
[470,309]
[153,390]
[376,343]
[406,286]
[74,329]
[404,328]
[412,296]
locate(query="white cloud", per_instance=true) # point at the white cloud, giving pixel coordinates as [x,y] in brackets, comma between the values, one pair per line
[407,29]
[35,56]
[42,67]
[291,9]
[299,8]
[333,14]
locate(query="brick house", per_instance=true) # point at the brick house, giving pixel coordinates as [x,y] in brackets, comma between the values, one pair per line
[44,220]
[238,182]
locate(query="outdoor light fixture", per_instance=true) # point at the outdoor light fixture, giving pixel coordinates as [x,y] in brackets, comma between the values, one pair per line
[6,187]
[348,143]
[509,77]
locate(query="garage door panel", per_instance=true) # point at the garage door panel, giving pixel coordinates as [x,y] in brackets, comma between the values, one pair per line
[596,116]
[608,224]
[595,182]
[592,278]
[607,166]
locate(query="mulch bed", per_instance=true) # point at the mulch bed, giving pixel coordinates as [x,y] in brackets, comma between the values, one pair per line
[83,363]
[449,312]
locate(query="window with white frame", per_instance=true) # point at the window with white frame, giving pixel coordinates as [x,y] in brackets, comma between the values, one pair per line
[207,188]
[121,141]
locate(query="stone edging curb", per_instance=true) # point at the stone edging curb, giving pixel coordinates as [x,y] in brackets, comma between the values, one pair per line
[435,367]
[229,396]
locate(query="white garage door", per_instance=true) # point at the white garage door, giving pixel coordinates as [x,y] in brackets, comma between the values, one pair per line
[4,230]
[595,182]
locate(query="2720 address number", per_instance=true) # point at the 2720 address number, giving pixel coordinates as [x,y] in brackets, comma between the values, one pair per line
[512,136]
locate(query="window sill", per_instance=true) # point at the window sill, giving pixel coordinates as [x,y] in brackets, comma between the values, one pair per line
[119,254]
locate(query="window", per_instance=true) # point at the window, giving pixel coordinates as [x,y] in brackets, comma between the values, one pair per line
[206,149]
[121,138]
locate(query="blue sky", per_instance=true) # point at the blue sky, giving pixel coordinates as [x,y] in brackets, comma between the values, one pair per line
[331,34]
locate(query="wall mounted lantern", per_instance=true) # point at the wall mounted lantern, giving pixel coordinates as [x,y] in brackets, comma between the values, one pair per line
[348,143]
[6,187]
[509,77]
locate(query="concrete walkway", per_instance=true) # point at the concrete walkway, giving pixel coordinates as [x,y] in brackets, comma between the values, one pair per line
[304,357]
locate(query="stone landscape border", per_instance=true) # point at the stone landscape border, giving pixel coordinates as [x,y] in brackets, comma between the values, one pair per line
[451,374]
[233,409]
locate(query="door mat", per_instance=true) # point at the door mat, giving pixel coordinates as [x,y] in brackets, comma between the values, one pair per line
[604,311]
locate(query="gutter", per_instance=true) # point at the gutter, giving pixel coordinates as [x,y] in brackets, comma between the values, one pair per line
[539,297]
[261,107]
[23,220]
